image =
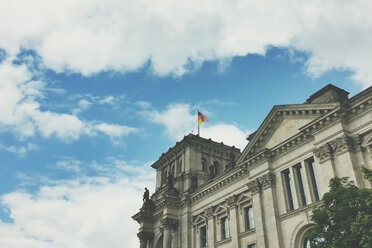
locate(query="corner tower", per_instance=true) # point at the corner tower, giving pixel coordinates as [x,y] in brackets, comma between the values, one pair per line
[194,161]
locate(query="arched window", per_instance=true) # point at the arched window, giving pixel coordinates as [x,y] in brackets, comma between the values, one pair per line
[179,166]
[216,167]
[204,164]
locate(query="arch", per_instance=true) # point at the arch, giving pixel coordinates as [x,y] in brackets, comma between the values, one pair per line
[204,164]
[300,236]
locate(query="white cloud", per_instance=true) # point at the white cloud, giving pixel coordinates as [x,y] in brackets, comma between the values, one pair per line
[181,119]
[114,130]
[177,119]
[177,36]
[21,110]
[89,212]
[19,150]
[226,133]
[83,104]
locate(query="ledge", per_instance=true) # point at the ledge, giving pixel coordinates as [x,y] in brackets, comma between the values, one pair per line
[247,233]
[224,241]
[299,210]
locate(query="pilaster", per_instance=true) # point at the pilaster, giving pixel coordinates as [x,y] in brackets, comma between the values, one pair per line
[231,204]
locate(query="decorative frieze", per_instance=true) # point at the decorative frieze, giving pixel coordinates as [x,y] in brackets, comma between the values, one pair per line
[262,182]
[336,146]
[323,153]
[209,189]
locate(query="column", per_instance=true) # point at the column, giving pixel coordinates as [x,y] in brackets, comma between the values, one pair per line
[169,225]
[210,227]
[144,238]
[259,218]
[231,202]
[325,167]
[167,238]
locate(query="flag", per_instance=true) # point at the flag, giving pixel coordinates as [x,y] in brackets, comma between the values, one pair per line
[201,118]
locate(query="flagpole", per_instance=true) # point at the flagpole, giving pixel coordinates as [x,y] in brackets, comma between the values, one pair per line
[198,124]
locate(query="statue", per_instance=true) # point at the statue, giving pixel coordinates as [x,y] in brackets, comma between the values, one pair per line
[146,195]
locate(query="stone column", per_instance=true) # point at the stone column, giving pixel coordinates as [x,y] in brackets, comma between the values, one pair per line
[144,238]
[210,227]
[271,225]
[326,168]
[259,218]
[168,225]
[231,203]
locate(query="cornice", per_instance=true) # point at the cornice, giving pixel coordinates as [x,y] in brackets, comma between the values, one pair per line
[276,115]
[195,141]
[218,184]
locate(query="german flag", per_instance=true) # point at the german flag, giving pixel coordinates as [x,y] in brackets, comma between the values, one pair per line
[202,118]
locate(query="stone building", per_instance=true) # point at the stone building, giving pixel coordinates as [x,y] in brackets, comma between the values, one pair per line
[210,195]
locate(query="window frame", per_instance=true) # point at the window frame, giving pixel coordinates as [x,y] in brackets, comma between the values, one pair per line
[224,228]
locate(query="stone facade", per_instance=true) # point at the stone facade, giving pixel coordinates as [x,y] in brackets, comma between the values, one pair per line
[212,195]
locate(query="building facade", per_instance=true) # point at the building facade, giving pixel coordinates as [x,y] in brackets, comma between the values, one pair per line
[212,195]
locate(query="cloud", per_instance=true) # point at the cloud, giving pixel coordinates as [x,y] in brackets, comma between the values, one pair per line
[90,211]
[114,130]
[180,119]
[227,133]
[22,114]
[178,36]
[19,150]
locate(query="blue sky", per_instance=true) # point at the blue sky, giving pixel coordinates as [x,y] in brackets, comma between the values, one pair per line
[92,92]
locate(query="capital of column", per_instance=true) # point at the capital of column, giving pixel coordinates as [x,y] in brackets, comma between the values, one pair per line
[262,182]
[169,223]
[208,212]
[231,201]
[145,236]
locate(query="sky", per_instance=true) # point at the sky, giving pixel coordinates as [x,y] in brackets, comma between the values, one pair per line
[92,92]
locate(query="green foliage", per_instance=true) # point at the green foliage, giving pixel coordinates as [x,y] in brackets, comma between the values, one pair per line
[345,218]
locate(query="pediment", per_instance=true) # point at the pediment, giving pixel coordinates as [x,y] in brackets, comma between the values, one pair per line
[220,209]
[199,219]
[286,127]
[243,198]
[282,123]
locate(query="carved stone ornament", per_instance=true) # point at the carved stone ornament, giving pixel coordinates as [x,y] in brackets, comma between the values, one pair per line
[254,186]
[231,201]
[208,212]
[264,182]
[169,223]
[145,236]
[334,147]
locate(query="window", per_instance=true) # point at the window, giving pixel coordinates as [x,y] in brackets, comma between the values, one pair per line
[313,182]
[204,164]
[179,166]
[203,236]
[248,216]
[216,168]
[298,170]
[287,188]
[251,246]
[225,228]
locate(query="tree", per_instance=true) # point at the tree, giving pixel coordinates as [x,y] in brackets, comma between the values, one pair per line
[345,217]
